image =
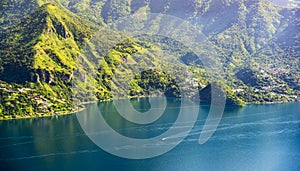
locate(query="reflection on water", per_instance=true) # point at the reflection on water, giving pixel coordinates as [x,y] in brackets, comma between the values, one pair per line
[141,131]
[257,137]
[141,105]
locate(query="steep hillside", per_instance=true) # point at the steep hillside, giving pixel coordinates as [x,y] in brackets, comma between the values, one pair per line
[44,47]
[46,40]
[247,32]
[39,54]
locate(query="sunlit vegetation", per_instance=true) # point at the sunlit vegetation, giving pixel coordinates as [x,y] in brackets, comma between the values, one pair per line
[256,42]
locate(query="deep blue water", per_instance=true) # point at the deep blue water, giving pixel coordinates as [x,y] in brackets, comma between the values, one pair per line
[256,137]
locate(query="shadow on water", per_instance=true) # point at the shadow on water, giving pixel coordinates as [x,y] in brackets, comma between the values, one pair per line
[140,131]
[141,104]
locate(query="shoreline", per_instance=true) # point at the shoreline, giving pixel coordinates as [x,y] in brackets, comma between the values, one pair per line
[63,113]
[269,103]
[39,115]
[42,115]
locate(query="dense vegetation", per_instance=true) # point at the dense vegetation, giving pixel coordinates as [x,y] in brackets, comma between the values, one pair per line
[220,88]
[41,42]
[155,80]
[38,58]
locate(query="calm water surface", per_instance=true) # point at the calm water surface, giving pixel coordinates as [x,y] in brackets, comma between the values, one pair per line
[256,137]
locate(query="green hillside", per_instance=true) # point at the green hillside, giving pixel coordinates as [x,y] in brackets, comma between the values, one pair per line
[39,53]
[44,46]
[248,33]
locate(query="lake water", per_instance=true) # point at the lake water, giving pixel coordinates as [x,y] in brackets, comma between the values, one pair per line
[256,137]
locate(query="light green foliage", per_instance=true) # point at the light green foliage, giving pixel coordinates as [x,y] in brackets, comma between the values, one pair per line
[41,40]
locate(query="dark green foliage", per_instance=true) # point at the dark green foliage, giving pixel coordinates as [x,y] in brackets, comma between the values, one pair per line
[248,76]
[13,11]
[156,80]
[16,49]
[41,41]
[221,89]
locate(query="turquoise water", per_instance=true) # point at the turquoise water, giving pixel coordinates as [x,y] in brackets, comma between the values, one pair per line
[256,137]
